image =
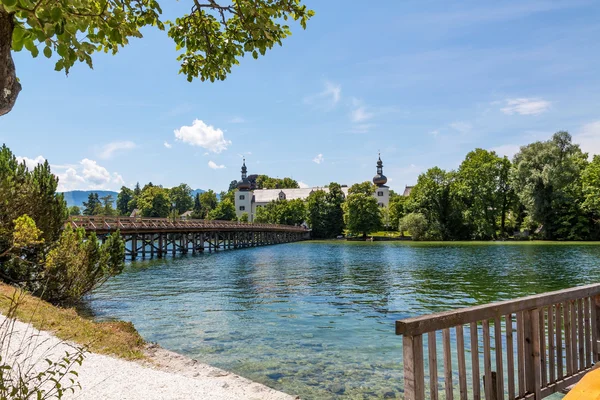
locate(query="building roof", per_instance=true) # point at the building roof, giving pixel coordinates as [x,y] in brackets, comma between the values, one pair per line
[407,190]
[268,195]
[187,213]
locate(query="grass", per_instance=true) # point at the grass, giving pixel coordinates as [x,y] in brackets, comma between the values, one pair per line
[116,338]
[386,234]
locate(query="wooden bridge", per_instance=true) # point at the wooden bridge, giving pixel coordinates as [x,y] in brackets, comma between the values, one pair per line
[150,237]
[539,345]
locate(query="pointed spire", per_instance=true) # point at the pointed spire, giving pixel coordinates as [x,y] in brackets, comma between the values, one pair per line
[244,184]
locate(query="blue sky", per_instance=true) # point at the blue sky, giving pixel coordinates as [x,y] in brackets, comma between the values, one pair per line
[423,81]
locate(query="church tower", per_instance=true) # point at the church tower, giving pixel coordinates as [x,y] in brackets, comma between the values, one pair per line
[382,192]
[243,195]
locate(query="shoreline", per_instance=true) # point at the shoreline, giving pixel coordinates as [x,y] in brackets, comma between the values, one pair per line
[162,374]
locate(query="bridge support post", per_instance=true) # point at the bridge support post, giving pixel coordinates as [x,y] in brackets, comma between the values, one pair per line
[143,245]
[133,246]
[161,241]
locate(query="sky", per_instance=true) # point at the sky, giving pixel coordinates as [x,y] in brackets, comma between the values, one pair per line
[423,82]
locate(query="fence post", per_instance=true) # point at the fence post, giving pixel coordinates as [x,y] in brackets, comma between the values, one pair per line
[414,373]
[595,327]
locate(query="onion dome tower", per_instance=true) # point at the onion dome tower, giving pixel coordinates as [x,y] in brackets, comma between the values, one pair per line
[244,184]
[379,179]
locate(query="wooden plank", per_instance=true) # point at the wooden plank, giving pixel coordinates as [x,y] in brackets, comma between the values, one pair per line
[595,320]
[588,333]
[536,346]
[520,354]
[551,345]
[543,359]
[510,367]
[487,360]
[414,387]
[448,319]
[448,383]
[573,313]
[499,361]
[580,335]
[559,346]
[462,365]
[475,362]
[433,368]
[568,346]
[528,339]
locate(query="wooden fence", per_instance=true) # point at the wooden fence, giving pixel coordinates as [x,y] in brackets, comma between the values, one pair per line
[539,345]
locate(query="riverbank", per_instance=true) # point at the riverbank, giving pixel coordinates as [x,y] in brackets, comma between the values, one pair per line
[145,372]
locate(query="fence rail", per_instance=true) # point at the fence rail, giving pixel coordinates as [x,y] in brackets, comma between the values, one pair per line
[538,345]
[104,223]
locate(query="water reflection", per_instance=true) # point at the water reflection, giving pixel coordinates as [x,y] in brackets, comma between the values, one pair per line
[317,319]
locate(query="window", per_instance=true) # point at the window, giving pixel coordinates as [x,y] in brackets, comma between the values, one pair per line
[242,208]
[379,194]
[380,204]
[242,197]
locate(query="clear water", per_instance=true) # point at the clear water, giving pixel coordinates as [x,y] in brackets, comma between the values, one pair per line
[316,319]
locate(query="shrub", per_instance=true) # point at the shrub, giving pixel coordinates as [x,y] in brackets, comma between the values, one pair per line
[415,224]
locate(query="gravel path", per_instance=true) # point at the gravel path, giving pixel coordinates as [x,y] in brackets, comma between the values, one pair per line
[166,376]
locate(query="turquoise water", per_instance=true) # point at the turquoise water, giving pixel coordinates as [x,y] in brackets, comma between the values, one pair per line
[316,319]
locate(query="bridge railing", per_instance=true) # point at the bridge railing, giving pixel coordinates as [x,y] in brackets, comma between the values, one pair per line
[143,223]
[539,345]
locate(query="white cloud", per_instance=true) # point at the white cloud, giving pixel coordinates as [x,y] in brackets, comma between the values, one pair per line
[589,138]
[213,165]
[360,114]
[362,128]
[525,106]
[110,149]
[168,145]
[88,175]
[327,98]
[508,150]
[319,159]
[202,135]
[303,185]
[434,133]
[237,120]
[31,163]
[461,127]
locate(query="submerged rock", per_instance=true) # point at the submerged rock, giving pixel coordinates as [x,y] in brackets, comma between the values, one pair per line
[337,388]
[275,376]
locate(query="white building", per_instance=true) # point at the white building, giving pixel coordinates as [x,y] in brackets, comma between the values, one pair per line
[248,200]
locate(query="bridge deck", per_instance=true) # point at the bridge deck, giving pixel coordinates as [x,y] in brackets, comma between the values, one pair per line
[103,224]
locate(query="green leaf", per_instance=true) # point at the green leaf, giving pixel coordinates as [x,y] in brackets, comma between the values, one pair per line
[47,52]
[56,14]
[9,3]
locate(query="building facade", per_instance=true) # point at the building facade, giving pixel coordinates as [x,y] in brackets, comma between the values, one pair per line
[248,199]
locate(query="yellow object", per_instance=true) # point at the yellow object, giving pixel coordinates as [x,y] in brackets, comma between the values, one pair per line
[588,387]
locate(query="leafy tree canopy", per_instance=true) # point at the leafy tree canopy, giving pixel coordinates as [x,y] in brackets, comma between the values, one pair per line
[181,198]
[124,204]
[361,212]
[154,202]
[547,179]
[224,211]
[211,38]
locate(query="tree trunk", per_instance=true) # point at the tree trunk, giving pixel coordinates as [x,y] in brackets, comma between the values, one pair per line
[9,85]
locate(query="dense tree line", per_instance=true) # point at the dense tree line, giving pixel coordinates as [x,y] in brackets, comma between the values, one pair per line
[549,191]
[35,252]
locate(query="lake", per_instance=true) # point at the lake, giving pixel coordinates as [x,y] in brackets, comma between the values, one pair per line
[316,319]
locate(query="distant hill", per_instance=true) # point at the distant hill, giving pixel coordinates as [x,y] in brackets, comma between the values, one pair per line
[77,197]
